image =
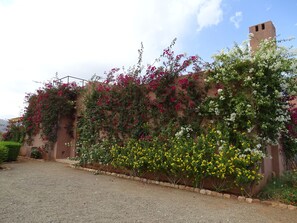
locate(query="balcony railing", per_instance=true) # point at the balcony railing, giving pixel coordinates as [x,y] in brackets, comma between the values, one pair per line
[69,79]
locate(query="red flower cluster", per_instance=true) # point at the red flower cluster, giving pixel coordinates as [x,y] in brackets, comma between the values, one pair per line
[184,83]
[47,105]
[129,104]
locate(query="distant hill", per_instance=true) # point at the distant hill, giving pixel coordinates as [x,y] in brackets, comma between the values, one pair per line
[3,125]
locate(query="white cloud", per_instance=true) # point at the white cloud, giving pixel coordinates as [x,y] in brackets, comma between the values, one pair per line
[80,38]
[236,19]
[209,13]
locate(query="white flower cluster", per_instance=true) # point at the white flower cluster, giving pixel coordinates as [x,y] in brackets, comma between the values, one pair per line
[214,107]
[221,144]
[278,94]
[184,131]
[282,115]
[256,152]
[282,118]
[276,66]
[250,129]
[284,86]
[217,111]
[248,78]
[222,98]
[232,117]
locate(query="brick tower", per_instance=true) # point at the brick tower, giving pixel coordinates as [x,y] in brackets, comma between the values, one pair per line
[261,31]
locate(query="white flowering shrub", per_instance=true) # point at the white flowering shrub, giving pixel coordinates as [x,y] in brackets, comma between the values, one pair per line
[185,131]
[252,90]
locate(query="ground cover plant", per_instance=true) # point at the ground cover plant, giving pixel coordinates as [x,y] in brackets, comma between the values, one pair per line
[282,189]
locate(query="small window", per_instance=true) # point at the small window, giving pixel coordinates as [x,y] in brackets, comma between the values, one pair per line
[263,26]
[257,28]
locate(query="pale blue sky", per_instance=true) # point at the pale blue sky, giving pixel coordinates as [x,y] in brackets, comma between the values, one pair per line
[83,37]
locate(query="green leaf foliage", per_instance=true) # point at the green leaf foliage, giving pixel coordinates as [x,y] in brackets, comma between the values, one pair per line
[13,150]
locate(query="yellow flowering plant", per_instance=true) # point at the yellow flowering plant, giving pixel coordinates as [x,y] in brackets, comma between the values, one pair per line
[197,159]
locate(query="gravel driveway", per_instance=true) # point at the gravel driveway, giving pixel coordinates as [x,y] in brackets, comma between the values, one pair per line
[32,191]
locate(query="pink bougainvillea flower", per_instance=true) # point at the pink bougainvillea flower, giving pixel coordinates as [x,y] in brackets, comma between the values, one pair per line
[60,93]
[184,83]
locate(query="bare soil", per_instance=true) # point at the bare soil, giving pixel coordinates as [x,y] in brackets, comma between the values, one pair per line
[34,191]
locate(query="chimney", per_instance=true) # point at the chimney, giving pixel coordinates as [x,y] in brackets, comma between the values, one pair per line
[261,31]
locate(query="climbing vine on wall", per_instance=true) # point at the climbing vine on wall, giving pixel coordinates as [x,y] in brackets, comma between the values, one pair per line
[139,102]
[46,106]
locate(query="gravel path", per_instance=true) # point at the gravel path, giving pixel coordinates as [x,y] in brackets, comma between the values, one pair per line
[32,191]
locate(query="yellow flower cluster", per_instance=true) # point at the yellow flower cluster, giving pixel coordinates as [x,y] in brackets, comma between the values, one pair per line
[195,159]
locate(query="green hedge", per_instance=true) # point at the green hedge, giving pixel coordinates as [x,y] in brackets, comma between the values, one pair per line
[13,150]
[3,153]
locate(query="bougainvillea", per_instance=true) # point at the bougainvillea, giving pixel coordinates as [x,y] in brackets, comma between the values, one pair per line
[139,103]
[46,106]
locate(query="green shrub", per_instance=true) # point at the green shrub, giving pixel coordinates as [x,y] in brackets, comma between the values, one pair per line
[3,153]
[290,146]
[13,150]
[97,153]
[283,189]
[208,156]
[15,133]
[35,153]
[290,178]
